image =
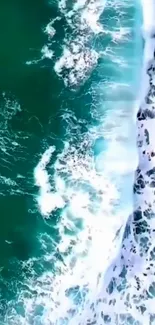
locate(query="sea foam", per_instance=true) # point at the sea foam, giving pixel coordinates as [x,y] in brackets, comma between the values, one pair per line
[85,190]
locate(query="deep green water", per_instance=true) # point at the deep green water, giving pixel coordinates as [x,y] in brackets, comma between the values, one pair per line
[31,86]
[40,94]
[32,102]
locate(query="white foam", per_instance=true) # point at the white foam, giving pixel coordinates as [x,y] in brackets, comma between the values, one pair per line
[47,200]
[91,14]
[47,53]
[77,59]
[148,7]
[79,62]
[79,55]
[89,216]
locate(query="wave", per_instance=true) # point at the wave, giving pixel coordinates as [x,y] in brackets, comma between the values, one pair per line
[82,185]
[129,282]
[148,19]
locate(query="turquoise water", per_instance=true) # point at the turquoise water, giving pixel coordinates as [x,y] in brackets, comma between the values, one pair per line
[68,91]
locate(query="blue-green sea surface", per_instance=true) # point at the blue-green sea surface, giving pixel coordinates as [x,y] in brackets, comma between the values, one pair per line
[68,89]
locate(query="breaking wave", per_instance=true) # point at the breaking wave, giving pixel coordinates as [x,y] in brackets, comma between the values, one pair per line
[84,189]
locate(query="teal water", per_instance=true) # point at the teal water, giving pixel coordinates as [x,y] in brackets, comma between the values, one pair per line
[43,105]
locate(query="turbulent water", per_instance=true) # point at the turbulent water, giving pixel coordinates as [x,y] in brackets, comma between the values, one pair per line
[70,79]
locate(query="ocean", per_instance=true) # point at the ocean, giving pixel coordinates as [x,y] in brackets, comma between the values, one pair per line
[69,88]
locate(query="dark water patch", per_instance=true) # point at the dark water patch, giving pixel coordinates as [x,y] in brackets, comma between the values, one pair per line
[18,227]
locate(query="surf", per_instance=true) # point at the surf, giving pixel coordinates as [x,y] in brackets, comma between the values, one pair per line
[84,300]
[84,187]
[131,275]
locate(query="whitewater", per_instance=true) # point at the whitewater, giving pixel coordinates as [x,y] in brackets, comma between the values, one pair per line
[102,268]
[86,292]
